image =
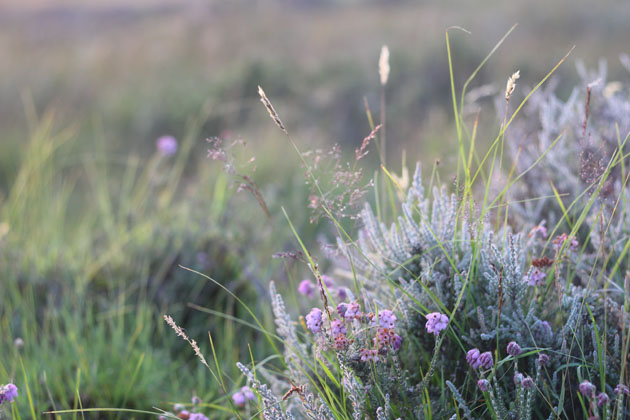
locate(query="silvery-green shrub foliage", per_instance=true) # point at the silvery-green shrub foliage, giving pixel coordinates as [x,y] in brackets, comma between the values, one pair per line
[448,316]
[587,128]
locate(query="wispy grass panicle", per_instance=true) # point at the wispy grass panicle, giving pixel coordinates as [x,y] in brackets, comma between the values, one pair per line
[511,85]
[272,112]
[181,333]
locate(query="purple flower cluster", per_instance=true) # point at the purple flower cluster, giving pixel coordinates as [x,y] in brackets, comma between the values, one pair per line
[525,381]
[436,322]
[308,288]
[187,415]
[518,378]
[477,360]
[385,338]
[242,396]
[328,281]
[539,231]
[368,355]
[522,380]
[8,393]
[536,277]
[513,349]
[561,239]
[341,342]
[543,359]
[483,384]
[602,398]
[622,389]
[586,388]
[386,319]
[349,311]
[166,145]
[314,320]
[337,327]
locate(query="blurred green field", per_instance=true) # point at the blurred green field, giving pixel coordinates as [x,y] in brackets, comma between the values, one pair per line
[93,223]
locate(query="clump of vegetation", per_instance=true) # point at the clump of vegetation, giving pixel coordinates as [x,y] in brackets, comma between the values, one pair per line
[91,246]
[444,305]
[503,295]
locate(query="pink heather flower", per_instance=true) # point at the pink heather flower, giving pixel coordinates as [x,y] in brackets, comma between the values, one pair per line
[197,416]
[543,359]
[622,389]
[436,322]
[385,337]
[396,342]
[513,349]
[341,342]
[8,392]
[239,398]
[166,145]
[307,288]
[586,388]
[352,311]
[337,327]
[249,394]
[560,240]
[328,281]
[341,309]
[602,398]
[485,360]
[528,382]
[314,320]
[472,357]
[18,343]
[369,355]
[539,230]
[386,319]
[483,385]
[536,278]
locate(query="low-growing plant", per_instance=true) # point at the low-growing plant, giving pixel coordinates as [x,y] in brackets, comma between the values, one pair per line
[455,309]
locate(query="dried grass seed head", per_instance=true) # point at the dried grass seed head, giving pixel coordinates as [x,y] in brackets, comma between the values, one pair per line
[272,112]
[383,65]
[511,84]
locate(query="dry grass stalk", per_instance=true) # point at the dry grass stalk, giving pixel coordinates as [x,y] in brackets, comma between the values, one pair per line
[180,332]
[511,85]
[383,65]
[272,112]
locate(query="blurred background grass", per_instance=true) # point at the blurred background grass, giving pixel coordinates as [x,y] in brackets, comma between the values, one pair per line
[94,223]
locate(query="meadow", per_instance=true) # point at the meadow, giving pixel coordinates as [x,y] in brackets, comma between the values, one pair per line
[316,272]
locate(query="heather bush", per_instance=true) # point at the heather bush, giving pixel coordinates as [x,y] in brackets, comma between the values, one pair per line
[471,304]
[587,129]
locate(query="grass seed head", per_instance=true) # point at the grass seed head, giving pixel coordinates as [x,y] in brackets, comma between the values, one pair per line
[511,84]
[383,65]
[272,112]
